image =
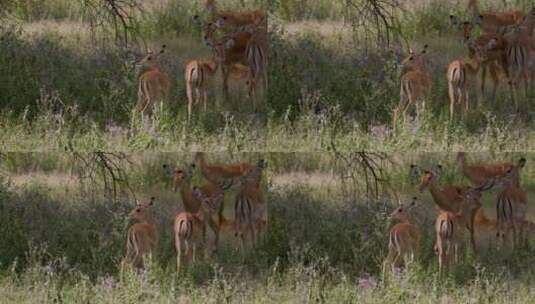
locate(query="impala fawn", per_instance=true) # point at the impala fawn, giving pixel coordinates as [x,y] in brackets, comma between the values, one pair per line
[182,182]
[142,237]
[462,72]
[215,173]
[189,229]
[404,238]
[415,85]
[480,173]
[154,85]
[450,227]
[451,199]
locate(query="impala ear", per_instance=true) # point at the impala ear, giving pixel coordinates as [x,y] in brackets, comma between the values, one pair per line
[411,51]
[492,43]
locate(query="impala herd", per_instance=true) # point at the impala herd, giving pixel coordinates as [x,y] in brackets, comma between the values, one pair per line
[203,206]
[505,48]
[460,218]
[238,41]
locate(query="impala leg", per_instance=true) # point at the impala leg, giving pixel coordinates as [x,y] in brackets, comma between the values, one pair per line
[451,92]
[225,70]
[482,88]
[178,247]
[215,228]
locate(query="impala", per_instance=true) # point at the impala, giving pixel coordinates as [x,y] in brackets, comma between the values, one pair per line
[415,85]
[154,85]
[250,209]
[404,238]
[230,21]
[142,237]
[480,173]
[229,50]
[461,72]
[511,206]
[452,198]
[182,182]
[256,54]
[491,21]
[217,172]
[189,229]
[198,74]
[449,227]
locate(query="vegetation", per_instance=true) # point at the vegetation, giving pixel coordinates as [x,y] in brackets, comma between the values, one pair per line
[64,236]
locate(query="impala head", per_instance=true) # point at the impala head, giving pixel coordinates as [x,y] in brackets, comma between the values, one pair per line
[208,34]
[512,175]
[220,48]
[150,59]
[429,176]
[414,172]
[142,211]
[400,213]
[414,59]
[209,204]
[179,176]
[463,28]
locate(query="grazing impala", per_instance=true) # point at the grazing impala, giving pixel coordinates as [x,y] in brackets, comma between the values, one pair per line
[461,72]
[404,238]
[416,85]
[216,173]
[154,85]
[491,21]
[480,173]
[142,237]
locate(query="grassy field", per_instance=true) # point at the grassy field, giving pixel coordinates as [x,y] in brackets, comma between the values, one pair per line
[64,236]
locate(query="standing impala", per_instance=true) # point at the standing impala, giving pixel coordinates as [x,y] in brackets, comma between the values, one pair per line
[511,206]
[142,237]
[182,182]
[491,21]
[198,74]
[231,21]
[450,227]
[451,199]
[229,50]
[250,209]
[404,238]
[462,72]
[480,173]
[217,172]
[154,85]
[189,229]
[256,54]
[416,85]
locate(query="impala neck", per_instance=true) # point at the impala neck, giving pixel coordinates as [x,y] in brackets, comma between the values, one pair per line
[187,197]
[439,197]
